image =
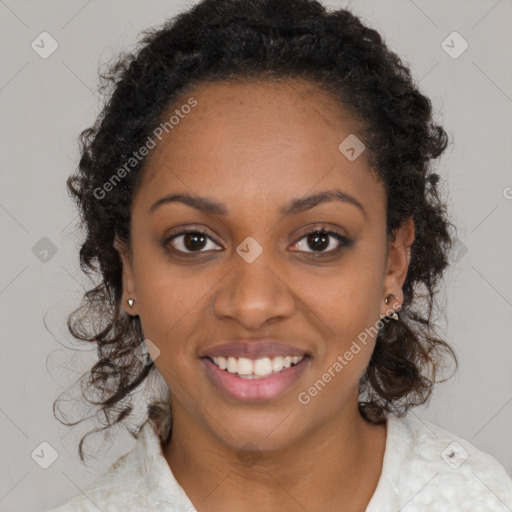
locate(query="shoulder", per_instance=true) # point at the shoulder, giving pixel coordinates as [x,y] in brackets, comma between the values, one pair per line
[426,465]
[120,483]
[138,480]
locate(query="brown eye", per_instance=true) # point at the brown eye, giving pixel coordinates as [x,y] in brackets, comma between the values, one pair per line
[190,241]
[320,240]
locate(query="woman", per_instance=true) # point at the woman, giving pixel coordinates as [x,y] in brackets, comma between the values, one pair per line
[260,207]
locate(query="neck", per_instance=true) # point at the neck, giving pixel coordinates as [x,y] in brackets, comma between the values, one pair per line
[338,464]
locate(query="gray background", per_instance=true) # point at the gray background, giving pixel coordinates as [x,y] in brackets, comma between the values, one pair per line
[45,103]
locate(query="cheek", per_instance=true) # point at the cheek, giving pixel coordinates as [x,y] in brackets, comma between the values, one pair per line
[347,302]
[350,314]
[346,298]
[168,307]
[168,298]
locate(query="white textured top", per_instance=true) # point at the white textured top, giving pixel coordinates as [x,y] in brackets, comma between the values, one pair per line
[425,468]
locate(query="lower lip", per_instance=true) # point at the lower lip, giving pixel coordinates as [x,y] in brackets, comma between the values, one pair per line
[255,390]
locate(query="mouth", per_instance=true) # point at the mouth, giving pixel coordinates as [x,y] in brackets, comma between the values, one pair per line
[255,379]
[246,368]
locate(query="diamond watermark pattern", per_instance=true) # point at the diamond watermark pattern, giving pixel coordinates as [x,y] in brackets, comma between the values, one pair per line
[351,147]
[454,455]
[146,352]
[454,45]
[249,455]
[459,251]
[44,455]
[249,249]
[44,45]
[44,250]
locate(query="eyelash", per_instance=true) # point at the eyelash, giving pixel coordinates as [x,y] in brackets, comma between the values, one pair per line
[344,242]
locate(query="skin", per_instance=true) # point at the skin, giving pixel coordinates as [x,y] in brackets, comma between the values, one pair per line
[255,146]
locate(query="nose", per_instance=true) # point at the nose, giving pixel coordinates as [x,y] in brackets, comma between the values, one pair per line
[254,294]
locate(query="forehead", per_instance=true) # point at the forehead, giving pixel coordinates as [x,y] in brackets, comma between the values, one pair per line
[252,141]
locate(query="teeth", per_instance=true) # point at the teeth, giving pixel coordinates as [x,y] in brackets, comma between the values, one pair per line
[254,369]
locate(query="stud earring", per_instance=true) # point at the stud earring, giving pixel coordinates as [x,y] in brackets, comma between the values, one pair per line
[130,302]
[394,315]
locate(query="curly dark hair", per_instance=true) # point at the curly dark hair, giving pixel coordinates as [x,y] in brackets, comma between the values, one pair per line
[242,40]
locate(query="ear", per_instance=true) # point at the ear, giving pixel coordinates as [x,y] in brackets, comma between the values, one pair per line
[398,259]
[128,281]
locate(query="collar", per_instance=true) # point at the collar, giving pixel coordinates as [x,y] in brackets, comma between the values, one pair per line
[163,488]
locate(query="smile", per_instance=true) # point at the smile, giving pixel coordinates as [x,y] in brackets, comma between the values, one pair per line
[258,368]
[255,380]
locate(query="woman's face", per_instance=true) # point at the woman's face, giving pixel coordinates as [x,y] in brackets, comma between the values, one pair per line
[245,155]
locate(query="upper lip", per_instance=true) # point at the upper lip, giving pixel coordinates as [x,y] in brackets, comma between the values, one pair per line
[253,349]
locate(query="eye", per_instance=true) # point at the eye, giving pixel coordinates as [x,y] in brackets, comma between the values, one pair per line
[319,240]
[196,240]
[189,241]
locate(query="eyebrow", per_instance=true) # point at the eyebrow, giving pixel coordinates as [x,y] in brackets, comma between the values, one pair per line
[210,206]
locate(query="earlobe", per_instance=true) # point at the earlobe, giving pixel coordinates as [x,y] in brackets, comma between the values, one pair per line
[399,256]
[128,297]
